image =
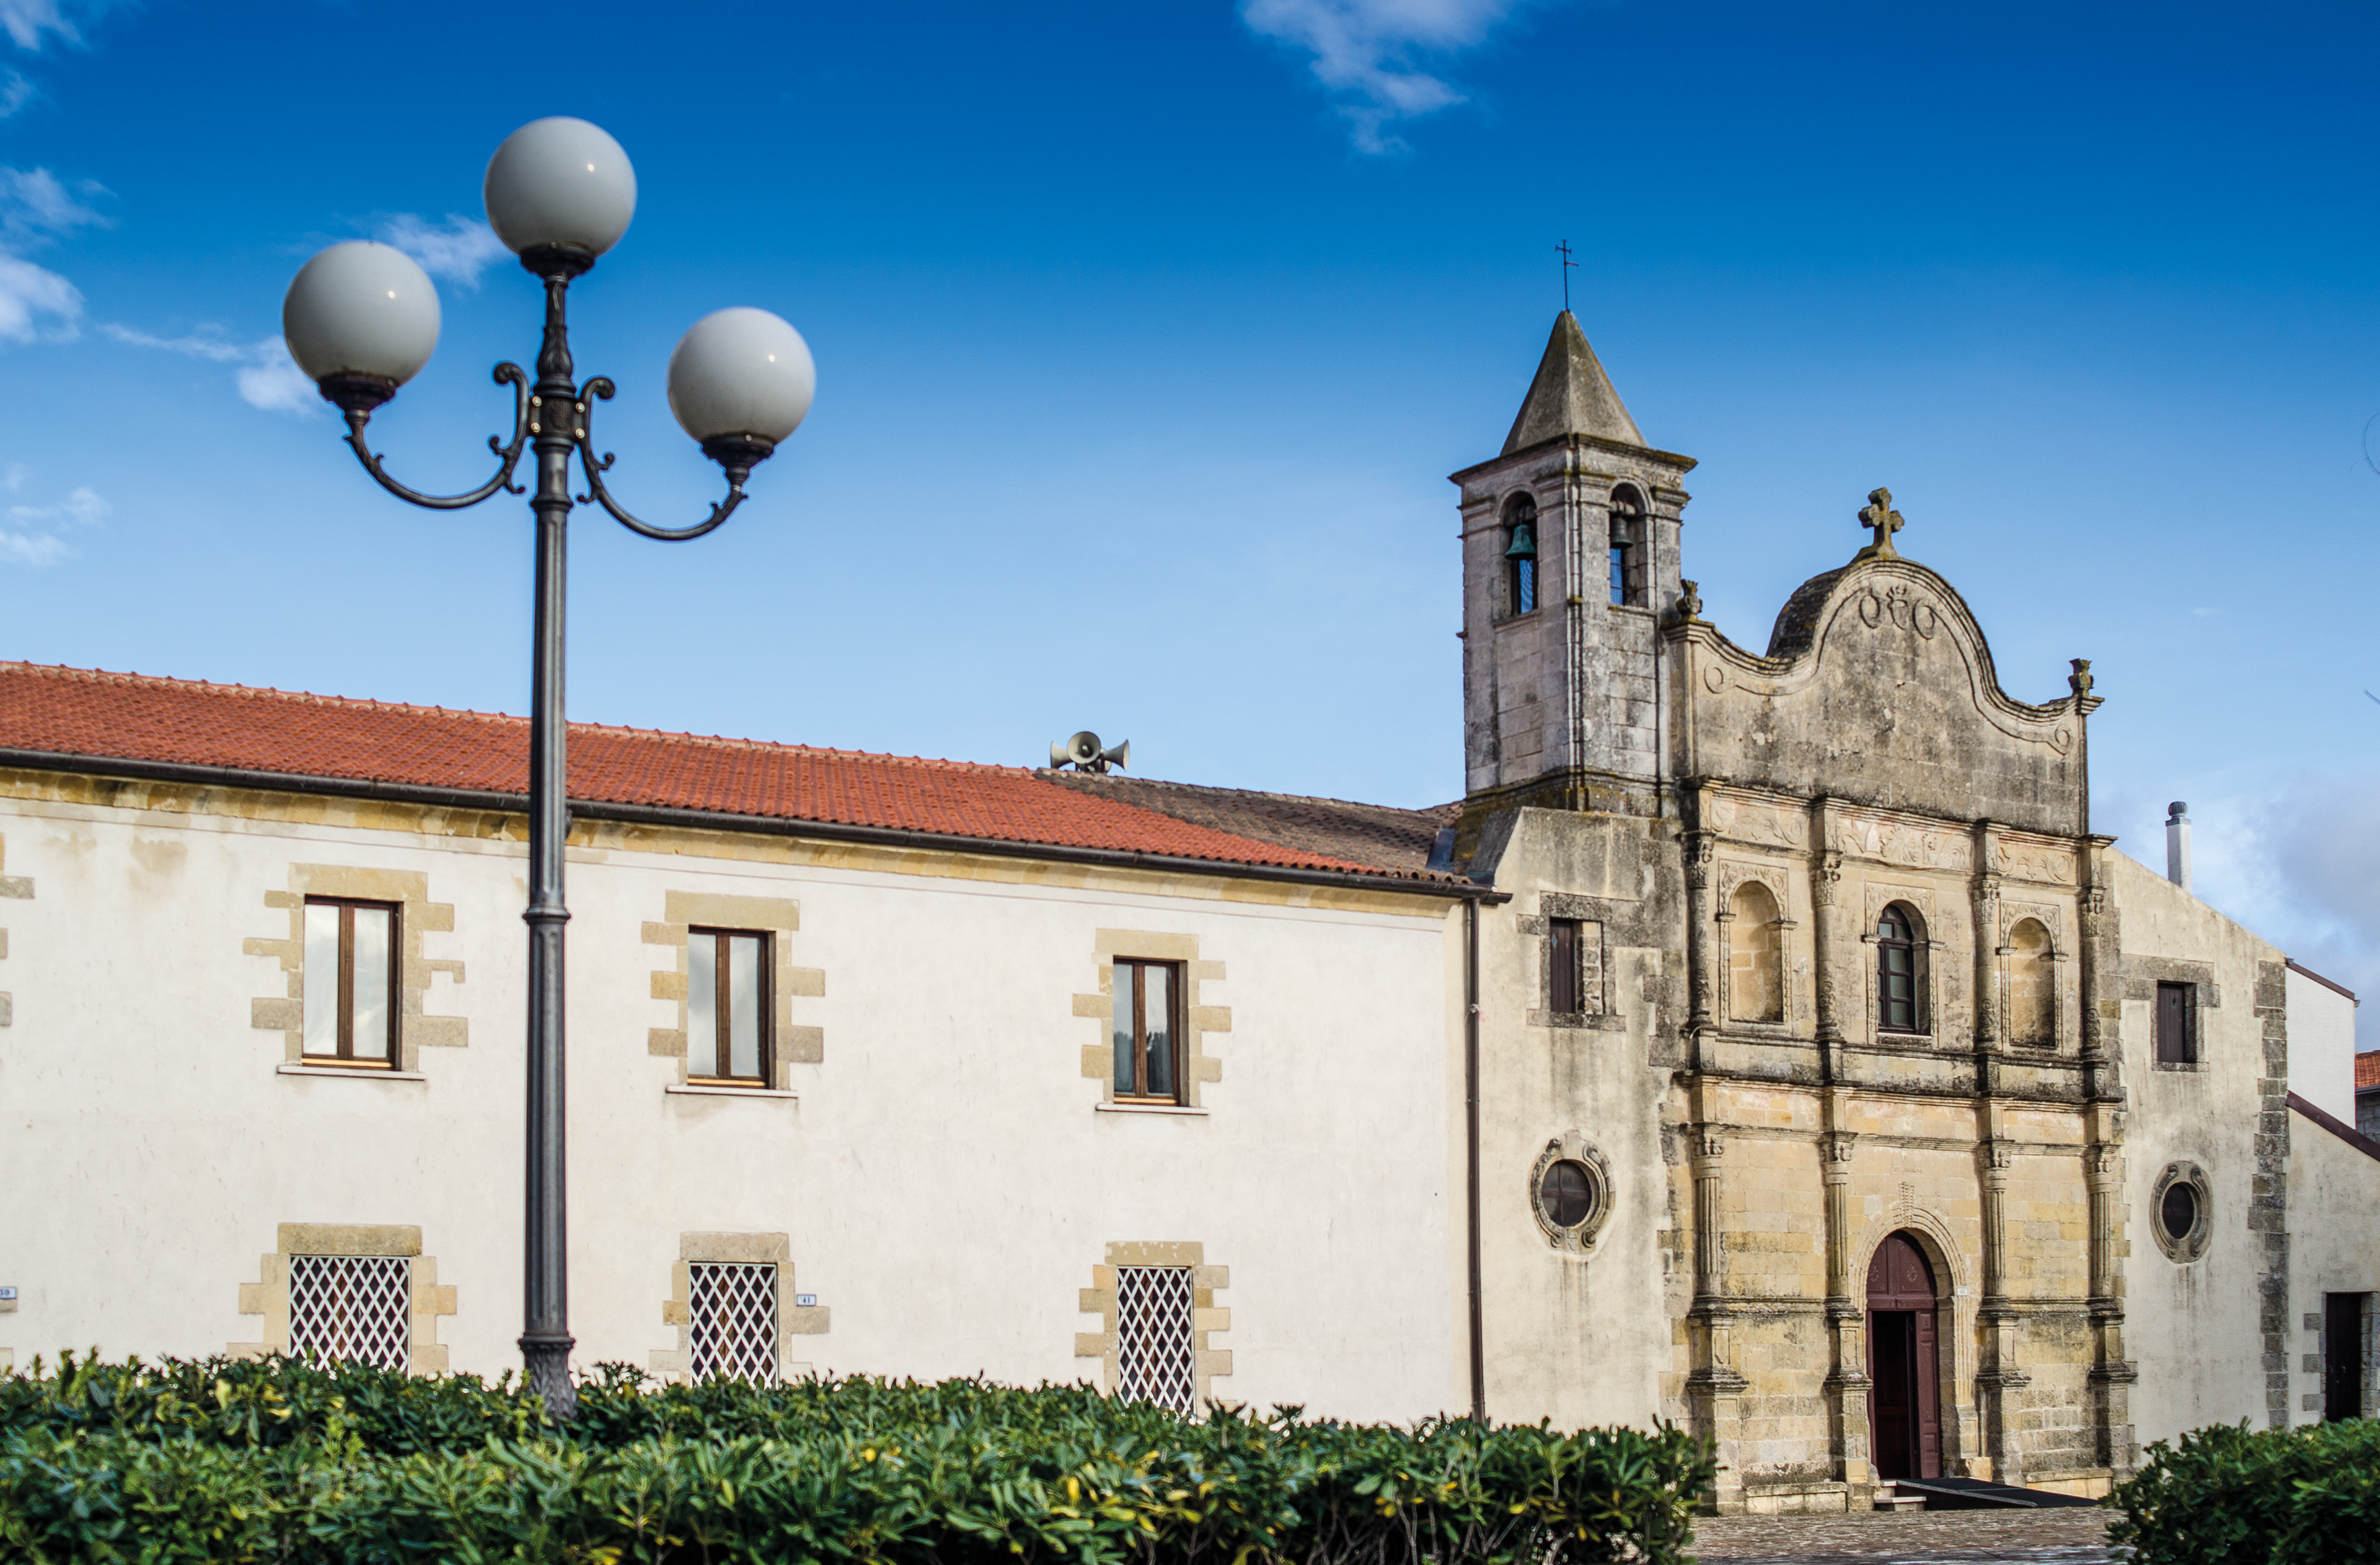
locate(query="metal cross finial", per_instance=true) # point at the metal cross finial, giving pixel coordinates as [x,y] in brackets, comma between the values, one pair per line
[1879,518]
[1567,265]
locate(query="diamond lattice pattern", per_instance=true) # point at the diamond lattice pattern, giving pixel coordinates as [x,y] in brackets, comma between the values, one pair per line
[352,1309]
[735,1320]
[1156,1360]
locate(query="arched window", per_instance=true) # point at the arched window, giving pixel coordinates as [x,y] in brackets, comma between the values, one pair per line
[1755,965]
[1521,556]
[1627,546]
[2032,987]
[1901,970]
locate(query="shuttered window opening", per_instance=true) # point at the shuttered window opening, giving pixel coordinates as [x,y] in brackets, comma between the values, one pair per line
[352,1309]
[1156,1359]
[732,1306]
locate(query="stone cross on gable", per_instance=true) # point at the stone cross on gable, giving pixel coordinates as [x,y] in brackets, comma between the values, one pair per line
[1879,517]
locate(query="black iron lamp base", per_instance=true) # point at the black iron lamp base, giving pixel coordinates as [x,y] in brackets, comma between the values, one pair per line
[739,454]
[355,393]
[546,1361]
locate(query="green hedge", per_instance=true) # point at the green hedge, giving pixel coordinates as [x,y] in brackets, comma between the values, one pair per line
[275,1460]
[2275,1496]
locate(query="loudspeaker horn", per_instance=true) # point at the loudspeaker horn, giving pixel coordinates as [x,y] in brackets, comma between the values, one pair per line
[1084,752]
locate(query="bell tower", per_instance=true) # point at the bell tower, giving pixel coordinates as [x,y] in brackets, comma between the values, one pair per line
[1569,567]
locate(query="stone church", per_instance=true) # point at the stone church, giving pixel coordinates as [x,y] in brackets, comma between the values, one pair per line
[1764,1042]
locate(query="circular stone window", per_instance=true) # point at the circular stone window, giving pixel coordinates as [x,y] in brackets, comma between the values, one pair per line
[2179,1207]
[1566,1192]
[1570,1193]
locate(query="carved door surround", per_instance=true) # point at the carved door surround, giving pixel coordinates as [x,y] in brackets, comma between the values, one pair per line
[1903,1336]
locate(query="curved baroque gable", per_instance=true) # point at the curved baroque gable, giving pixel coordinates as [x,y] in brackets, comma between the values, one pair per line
[1878,688]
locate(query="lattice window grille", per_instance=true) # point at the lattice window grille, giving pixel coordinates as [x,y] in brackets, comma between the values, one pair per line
[1157,1358]
[734,1319]
[352,1309]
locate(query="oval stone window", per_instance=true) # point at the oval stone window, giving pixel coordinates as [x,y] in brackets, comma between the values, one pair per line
[2178,1213]
[1566,1194]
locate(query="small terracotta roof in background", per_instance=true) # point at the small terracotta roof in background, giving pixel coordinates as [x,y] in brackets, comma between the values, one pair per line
[1375,834]
[2367,1070]
[176,722]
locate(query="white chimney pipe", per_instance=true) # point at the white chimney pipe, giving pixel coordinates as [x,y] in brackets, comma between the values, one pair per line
[2177,843]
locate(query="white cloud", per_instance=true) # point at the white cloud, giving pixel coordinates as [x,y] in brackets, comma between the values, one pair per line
[37,208]
[83,507]
[15,93]
[25,20]
[2300,865]
[36,303]
[458,251]
[268,377]
[32,549]
[273,381]
[1365,52]
[39,542]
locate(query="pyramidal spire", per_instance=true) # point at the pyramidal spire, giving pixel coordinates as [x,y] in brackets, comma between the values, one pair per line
[1572,396]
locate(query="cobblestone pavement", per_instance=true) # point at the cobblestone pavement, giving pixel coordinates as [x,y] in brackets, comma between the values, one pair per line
[2069,1535]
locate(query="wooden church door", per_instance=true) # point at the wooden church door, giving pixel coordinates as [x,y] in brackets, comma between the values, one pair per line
[1904,1413]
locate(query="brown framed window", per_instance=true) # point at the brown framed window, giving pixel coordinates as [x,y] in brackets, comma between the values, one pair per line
[1901,970]
[1147,1030]
[727,1007]
[351,956]
[2177,1036]
[1562,959]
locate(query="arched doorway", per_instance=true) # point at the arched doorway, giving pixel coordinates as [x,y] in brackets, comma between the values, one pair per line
[1904,1399]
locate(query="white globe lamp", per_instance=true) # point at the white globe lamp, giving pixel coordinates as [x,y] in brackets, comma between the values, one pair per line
[560,191]
[740,381]
[361,319]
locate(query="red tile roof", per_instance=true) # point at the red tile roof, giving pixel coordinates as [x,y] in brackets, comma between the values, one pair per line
[2367,1070]
[176,722]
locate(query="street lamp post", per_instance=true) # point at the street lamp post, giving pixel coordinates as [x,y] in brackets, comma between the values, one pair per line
[361,319]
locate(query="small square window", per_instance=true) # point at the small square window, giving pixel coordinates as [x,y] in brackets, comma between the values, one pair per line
[727,1007]
[732,1316]
[2177,1034]
[351,1309]
[1156,1356]
[351,974]
[1147,1030]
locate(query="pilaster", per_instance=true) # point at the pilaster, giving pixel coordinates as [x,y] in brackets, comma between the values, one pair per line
[1984,896]
[1847,1381]
[1700,848]
[1825,878]
[1714,1390]
[2111,1374]
[1999,1374]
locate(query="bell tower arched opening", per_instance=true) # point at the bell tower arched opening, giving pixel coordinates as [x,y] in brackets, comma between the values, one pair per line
[1904,1408]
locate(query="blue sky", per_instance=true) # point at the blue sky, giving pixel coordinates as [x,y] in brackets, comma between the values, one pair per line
[1147,334]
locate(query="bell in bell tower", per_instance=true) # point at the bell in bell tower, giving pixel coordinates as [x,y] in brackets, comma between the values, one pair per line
[1570,565]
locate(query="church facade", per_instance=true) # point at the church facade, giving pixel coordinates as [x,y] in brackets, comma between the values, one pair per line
[1941,1137]
[1764,1042]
